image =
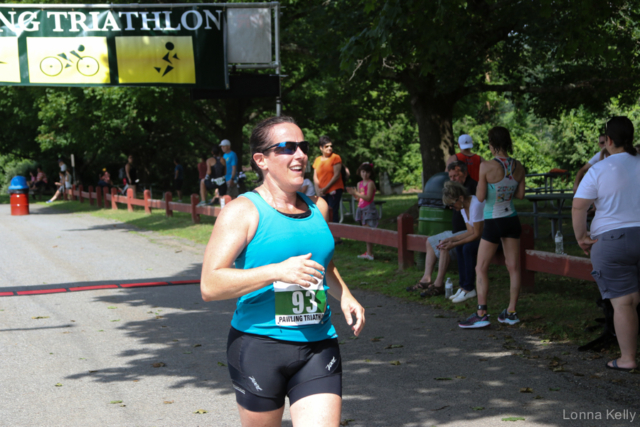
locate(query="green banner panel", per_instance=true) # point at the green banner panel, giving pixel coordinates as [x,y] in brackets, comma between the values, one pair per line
[113,47]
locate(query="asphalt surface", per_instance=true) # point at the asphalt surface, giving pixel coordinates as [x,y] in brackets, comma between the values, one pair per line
[155,356]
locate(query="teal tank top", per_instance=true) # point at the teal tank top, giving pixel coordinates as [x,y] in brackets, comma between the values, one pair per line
[499,200]
[284,311]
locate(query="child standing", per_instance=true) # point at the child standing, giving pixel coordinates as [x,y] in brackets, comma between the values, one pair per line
[366,214]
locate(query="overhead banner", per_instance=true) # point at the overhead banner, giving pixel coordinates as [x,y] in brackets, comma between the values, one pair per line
[113,47]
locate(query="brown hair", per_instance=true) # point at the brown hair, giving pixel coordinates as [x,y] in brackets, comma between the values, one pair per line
[500,139]
[620,130]
[261,135]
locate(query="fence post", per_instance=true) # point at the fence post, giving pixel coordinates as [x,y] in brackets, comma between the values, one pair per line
[195,199]
[114,194]
[73,192]
[168,199]
[130,196]
[147,198]
[405,227]
[528,277]
[80,193]
[99,196]
[91,195]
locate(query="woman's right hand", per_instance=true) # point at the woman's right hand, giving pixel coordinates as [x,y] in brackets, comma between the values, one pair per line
[300,270]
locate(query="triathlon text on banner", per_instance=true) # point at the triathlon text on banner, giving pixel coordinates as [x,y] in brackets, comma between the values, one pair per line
[111,47]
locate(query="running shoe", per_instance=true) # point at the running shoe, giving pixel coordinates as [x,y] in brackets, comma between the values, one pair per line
[458,292]
[49,201]
[464,296]
[203,203]
[366,256]
[509,318]
[475,321]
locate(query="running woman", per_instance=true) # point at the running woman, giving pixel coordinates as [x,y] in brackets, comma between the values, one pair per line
[281,342]
[500,181]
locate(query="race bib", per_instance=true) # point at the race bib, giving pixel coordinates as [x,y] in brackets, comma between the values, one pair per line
[296,306]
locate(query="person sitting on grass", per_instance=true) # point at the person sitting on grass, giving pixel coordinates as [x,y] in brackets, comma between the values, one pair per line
[366,214]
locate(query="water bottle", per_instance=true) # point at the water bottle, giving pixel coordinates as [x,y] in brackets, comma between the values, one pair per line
[559,243]
[448,288]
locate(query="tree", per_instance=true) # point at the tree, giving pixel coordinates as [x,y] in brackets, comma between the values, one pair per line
[560,53]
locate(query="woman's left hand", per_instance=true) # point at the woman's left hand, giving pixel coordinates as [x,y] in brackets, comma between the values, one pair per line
[352,307]
[445,245]
[585,243]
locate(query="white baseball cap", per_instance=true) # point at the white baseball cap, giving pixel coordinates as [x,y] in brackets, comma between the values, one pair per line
[225,142]
[465,142]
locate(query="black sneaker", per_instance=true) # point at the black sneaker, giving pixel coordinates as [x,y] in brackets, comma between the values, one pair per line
[509,318]
[475,321]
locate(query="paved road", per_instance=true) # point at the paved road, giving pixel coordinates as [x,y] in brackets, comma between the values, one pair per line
[101,347]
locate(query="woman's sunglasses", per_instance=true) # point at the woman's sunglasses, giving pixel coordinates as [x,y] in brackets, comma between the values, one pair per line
[288,147]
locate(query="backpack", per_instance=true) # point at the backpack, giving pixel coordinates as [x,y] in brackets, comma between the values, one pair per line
[218,169]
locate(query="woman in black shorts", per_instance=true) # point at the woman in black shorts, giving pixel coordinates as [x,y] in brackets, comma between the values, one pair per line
[501,180]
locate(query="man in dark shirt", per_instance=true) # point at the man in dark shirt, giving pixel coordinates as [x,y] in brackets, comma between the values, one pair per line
[458,172]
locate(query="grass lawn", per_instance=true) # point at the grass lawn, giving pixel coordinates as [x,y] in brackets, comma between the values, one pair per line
[558,309]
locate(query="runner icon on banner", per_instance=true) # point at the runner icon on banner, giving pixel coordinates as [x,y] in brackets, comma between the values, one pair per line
[297,306]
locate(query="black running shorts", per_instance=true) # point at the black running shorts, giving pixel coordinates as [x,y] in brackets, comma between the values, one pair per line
[500,228]
[264,370]
[211,186]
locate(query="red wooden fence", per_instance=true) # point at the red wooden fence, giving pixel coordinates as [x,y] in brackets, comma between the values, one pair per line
[404,240]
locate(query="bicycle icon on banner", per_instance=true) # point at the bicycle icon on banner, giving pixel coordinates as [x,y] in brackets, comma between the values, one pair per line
[52,66]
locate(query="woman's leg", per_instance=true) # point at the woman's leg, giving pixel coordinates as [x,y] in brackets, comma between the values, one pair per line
[625,320]
[369,245]
[55,196]
[486,251]
[321,410]
[443,264]
[429,263]
[261,419]
[511,249]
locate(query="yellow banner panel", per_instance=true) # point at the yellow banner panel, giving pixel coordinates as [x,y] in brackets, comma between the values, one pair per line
[64,60]
[9,60]
[158,59]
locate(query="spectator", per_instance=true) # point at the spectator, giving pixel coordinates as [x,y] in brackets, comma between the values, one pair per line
[613,185]
[465,142]
[327,177]
[366,214]
[202,168]
[178,178]
[104,179]
[500,181]
[455,196]
[214,179]
[40,180]
[231,160]
[63,184]
[600,155]
[131,175]
[307,186]
[458,173]
[63,167]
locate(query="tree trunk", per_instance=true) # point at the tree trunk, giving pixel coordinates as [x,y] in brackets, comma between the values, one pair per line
[434,116]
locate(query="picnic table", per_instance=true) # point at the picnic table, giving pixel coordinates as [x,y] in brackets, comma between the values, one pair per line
[556,218]
[352,205]
[548,182]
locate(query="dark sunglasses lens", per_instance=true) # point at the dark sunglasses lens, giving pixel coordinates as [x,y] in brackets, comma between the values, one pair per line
[290,148]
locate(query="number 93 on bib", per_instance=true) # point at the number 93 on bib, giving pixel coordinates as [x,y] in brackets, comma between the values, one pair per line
[296,306]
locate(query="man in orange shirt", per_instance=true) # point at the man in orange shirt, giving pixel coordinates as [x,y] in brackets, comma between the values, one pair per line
[467,157]
[326,176]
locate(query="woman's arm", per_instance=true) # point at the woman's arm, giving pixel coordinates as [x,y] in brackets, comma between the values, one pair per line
[233,230]
[371,190]
[579,218]
[338,288]
[481,189]
[472,234]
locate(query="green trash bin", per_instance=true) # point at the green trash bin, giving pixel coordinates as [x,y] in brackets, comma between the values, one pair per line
[434,217]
